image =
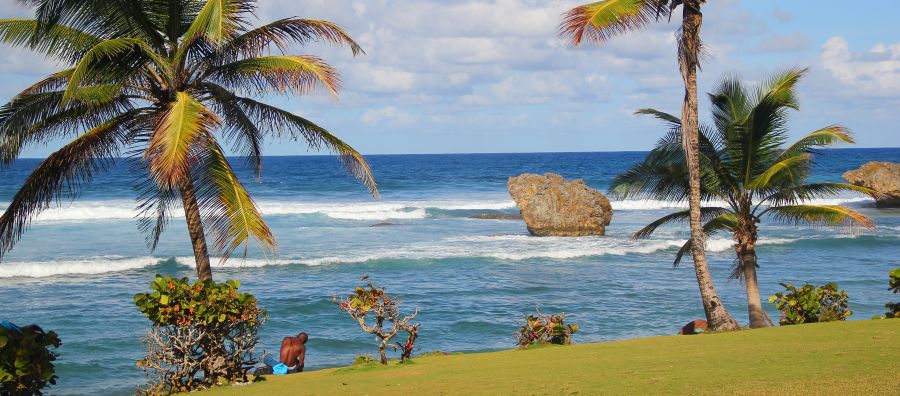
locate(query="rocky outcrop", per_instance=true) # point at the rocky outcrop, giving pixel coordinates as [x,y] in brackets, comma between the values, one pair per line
[552,206]
[883,177]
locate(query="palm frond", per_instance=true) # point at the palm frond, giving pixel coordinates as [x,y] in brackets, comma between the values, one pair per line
[60,42]
[112,60]
[824,137]
[793,169]
[812,215]
[180,126]
[216,22]
[599,21]
[792,195]
[62,174]
[155,205]
[299,74]
[231,214]
[758,146]
[673,121]
[283,123]
[706,214]
[281,34]
[238,127]
[41,118]
[724,222]
[106,18]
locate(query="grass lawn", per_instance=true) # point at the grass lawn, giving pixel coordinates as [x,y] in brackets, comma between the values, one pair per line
[848,358]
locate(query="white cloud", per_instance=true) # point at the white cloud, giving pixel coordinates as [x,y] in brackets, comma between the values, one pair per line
[387,114]
[875,72]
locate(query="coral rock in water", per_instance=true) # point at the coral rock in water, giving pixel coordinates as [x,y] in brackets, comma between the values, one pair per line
[552,206]
[883,177]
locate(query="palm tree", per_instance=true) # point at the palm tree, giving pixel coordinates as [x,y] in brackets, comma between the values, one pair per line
[602,20]
[162,82]
[746,167]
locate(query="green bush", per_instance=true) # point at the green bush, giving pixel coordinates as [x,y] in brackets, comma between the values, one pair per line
[811,304]
[26,361]
[546,329]
[893,308]
[364,360]
[198,328]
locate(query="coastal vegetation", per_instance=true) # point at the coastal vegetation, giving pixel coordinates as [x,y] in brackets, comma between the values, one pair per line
[384,309]
[600,21]
[749,175]
[542,328]
[165,83]
[26,359]
[811,304]
[777,360]
[202,334]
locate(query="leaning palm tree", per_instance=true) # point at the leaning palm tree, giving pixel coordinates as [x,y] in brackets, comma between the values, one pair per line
[600,21]
[163,82]
[746,167]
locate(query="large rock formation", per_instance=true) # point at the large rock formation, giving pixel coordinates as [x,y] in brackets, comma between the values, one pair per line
[883,177]
[552,206]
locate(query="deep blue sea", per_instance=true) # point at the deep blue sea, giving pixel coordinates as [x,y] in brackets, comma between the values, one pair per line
[77,268]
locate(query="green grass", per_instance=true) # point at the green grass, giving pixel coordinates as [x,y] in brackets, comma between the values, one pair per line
[847,358]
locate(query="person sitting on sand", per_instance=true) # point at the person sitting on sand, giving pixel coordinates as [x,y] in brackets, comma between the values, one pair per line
[292,356]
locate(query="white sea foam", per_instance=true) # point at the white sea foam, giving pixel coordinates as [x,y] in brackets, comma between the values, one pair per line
[649,204]
[82,211]
[85,266]
[501,247]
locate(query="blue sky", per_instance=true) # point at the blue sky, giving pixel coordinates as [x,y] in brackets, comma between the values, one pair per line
[453,76]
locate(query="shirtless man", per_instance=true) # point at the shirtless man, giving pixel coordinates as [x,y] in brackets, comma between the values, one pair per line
[292,354]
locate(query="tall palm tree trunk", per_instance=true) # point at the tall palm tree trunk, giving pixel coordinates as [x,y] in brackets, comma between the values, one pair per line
[688,55]
[747,256]
[195,229]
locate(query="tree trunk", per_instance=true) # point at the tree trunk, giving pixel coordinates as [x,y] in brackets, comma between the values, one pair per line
[382,354]
[688,55]
[754,304]
[195,228]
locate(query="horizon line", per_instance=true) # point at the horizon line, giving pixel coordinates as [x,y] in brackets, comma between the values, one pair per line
[491,152]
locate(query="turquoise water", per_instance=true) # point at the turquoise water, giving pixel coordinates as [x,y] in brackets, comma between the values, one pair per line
[77,268]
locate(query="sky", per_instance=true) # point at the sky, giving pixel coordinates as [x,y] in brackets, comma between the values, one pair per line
[462,76]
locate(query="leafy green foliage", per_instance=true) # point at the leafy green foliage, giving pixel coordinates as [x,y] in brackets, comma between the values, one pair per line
[811,304]
[546,329]
[201,327]
[181,303]
[26,361]
[364,360]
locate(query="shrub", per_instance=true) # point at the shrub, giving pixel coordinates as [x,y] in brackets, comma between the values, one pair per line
[811,304]
[203,328]
[371,299]
[893,308]
[363,360]
[26,361]
[545,329]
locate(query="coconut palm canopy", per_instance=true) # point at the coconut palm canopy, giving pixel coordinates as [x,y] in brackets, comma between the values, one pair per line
[745,167]
[165,83]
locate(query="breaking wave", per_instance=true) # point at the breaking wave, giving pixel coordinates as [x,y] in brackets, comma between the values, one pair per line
[353,211]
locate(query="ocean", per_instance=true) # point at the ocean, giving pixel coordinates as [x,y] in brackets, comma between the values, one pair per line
[78,267]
